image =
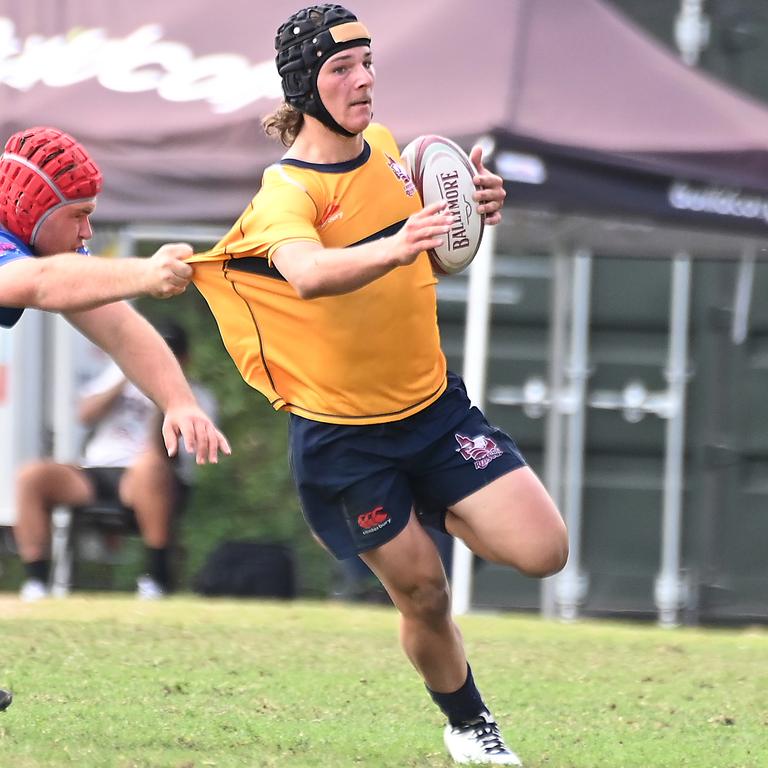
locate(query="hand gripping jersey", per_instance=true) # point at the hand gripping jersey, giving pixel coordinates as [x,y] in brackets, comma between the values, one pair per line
[11,248]
[369,356]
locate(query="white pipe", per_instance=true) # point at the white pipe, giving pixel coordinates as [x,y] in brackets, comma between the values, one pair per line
[691,30]
[553,448]
[571,585]
[742,296]
[476,335]
[669,590]
[21,405]
[64,395]
[65,436]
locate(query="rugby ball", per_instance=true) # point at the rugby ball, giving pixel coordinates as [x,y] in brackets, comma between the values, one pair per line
[440,169]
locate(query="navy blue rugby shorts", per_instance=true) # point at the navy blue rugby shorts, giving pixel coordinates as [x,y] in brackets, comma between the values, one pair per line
[358,484]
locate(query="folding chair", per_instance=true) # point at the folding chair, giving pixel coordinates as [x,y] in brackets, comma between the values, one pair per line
[102,518]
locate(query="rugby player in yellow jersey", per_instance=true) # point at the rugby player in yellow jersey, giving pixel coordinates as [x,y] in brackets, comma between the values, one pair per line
[326,301]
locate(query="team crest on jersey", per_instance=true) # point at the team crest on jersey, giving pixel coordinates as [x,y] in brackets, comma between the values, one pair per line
[480,449]
[397,169]
[331,213]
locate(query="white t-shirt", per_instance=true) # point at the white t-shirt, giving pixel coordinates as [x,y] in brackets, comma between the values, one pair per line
[124,431]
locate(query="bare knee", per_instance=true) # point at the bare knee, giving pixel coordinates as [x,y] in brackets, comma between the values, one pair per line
[35,487]
[548,556]
[151,468]
[541,553]
[149,480]
[30,476]
[427,601]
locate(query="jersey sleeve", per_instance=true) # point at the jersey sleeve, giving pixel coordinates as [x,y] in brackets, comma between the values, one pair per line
[283,211]
[9,252]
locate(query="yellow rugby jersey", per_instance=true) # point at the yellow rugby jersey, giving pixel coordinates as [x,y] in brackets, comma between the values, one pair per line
[369,356]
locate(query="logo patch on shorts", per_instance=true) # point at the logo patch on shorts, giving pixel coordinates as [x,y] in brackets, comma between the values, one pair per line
[480,449]
[373,521]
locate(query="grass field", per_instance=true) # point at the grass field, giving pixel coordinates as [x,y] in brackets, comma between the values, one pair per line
[187,683]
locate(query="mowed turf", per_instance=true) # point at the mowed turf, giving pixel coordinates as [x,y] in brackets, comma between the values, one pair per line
[187,683]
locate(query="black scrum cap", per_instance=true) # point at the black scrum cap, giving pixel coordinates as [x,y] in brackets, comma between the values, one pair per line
[303,43]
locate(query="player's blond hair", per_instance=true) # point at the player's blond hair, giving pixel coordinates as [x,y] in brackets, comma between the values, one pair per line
[285,123]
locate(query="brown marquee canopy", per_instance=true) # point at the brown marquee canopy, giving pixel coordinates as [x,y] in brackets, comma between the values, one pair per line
[587,112]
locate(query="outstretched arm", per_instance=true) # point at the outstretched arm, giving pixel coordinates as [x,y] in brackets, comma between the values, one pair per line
[314,271]
[149,363]
[73,281]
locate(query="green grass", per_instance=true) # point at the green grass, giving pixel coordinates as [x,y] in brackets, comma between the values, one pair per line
[187,683]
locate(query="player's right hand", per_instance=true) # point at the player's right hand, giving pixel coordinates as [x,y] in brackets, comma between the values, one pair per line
[200,434]
[167,272]
[422,231]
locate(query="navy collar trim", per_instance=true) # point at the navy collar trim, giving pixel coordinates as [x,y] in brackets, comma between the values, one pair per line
[345,167]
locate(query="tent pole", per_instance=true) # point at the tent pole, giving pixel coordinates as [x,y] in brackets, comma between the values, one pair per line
[476,333]
[21,404]
[670,590]
[65,435]
[571,585]
[553,447]
[742,297]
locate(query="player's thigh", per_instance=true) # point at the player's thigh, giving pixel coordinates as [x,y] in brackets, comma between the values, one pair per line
[150,481]
[512,520]
[410,568]
[56,483]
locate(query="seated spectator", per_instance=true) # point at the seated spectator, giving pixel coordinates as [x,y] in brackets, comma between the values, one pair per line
[123,460]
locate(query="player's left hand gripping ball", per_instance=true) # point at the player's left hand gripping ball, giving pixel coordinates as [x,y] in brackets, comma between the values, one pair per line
[490,192]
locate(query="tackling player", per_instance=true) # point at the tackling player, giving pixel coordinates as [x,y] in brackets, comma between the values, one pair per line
[48,189]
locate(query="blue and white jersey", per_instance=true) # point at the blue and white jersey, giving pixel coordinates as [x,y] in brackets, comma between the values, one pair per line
[11,248]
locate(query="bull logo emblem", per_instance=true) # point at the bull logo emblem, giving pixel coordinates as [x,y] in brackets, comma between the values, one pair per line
[480,449]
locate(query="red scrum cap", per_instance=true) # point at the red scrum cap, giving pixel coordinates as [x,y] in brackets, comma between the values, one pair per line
[41,170]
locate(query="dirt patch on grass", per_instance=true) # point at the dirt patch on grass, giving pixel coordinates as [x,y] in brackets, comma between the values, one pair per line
[11,607]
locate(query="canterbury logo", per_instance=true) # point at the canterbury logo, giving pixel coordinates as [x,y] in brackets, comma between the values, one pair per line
[331,213]
[373,520]
[480,449]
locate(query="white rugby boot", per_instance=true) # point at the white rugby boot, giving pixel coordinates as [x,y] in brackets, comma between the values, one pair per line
[148,589]
[479,742]
[33,590]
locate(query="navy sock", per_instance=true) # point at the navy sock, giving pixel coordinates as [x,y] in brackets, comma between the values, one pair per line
[38,570]
[158,566]
[460,706]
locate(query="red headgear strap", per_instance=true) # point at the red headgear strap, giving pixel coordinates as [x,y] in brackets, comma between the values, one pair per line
[42,169]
